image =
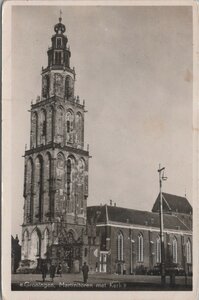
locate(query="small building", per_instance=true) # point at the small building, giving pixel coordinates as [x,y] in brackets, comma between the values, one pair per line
[130,239]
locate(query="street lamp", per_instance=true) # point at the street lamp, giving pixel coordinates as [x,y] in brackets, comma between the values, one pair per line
[161,178]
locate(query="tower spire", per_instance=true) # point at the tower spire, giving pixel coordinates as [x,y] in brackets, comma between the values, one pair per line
[60,17]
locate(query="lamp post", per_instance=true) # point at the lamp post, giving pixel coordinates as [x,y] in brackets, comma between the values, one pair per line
[161,178]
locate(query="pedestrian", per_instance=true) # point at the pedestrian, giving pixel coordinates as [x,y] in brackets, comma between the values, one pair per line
[52,271]
[124,269]
[44,270]
[96,267]
[59,270]
[85,270]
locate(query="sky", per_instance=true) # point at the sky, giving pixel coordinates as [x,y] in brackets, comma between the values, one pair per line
[134,70]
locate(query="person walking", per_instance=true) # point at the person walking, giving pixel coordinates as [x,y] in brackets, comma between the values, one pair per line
[44,270]
[85,270]
[124,269]
[59,270]
[52,271]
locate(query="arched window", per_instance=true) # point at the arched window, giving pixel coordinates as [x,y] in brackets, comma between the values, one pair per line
[69,88]
[35,245]
[69,127]
[79,129]
[38,188]
[42,127]
[25,244]
[29,191]
[71,185]
[60,124]
[120,246]
[49,125]
[60,173]
[45,86]
[58,82]
[68,174]
[47,178]
[34,130]
[158,250]
[188,251]
[140,248]
[175,250]
[81,185]
[59,42]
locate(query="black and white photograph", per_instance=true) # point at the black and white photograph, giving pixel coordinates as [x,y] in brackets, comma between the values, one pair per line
[100,148]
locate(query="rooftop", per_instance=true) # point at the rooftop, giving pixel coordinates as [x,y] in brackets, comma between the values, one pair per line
[120,215]
[173,203]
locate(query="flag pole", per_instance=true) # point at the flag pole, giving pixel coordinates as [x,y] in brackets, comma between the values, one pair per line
[161,178]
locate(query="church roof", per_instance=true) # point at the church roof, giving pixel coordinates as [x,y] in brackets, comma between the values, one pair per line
[173,203]
[120,215]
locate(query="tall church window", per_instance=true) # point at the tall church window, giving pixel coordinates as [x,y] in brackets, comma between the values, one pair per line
[175,250]
[42,127]
[188,251]
[59,85]
[140,248]
[45,86]
[68,174]
[49,124]
[29,190]
[79,129]
[80,185]
[120,246]
[59,42]
[34,130]
[60,124]
[60,171]
[71,184]
[69,88]
[38,188]
[158,250]
[60,176]
[69,127]
[35,245]
[47,200]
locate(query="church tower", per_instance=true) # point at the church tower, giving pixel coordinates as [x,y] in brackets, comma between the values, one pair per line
[56,165]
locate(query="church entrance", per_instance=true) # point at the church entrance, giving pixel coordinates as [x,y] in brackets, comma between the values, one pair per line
[72,257]
[67,252]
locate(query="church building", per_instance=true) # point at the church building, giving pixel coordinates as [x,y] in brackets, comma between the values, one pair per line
[57,225]
[130,239]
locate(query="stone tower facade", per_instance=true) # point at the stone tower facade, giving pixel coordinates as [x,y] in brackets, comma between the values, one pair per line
[56,165]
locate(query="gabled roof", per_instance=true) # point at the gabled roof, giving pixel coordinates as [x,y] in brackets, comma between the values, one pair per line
[173,203]
[120,215]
